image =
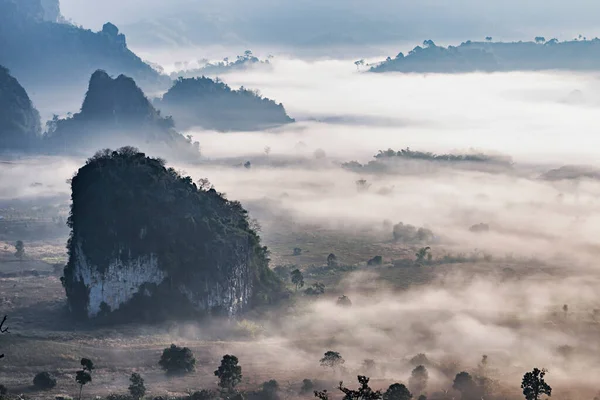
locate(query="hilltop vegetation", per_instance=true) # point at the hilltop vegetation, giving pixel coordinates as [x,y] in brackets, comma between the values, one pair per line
[212,104]
[245,61]
[488,56]
[19,120]
[390,161]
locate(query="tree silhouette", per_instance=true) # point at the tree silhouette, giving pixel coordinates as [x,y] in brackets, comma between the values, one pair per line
[397,391]
[540,39]
[364,392]
[176,360]
[421,254]
[418,379]
[488,38]
[3,329]
[464,383]
[297,278]
[229,372]
[137,389]
[20,250]
[84,376]
[332,260]
[331,359]
[534,385]
[344,301]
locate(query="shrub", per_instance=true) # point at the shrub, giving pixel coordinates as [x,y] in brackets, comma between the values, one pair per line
[315,290]
[307,386]
[203,394]
[344,301]
[177,360]
[44,381]
[297,251]
[377,260]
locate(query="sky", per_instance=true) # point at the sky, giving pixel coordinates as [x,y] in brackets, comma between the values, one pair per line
[286,25]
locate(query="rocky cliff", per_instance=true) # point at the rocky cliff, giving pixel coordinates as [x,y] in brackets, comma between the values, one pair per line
[19,120]
[211,104]
[146,240]
[116,112]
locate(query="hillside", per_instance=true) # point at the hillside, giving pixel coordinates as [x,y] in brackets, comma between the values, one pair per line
[148,240]
[211,104]
[19,120]
[116,112]
[579,54]
[44,53]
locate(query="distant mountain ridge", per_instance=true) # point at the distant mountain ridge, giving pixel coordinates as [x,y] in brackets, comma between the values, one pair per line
[487,56]
[41,52]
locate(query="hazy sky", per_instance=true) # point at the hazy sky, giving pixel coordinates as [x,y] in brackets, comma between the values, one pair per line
[311,23]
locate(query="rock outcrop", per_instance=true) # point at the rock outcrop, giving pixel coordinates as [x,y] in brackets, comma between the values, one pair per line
[211,104]
[19,120]
[146,240]
[116,112]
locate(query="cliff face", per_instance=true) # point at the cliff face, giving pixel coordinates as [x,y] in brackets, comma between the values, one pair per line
[145,239]
[211,104]
[116,112]
[19,120]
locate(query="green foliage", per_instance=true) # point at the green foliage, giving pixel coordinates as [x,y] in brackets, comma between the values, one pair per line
[84,376]
[364,392]
[297,278]
[229,372]
[124,199]
[397,391]
[177,360]
[534,385]
[137,389]
[20,249]
[44,381]
[332,359]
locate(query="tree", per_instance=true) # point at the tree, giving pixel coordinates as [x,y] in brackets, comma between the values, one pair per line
[267,150]
[364,392]
[3,330]
[332,359]
[84,376]
[464,383]
[540,39]
[20,250]
[428,43]
[418,379]
[297,278]
[177,360]
[377,260]
[362,185]
[44,381]
[359,63]
[488,38]
[322,394]
[421,254]
[344,301]
[137,388]
[332,260]
[316,289]
[397,391]
[270,390]
[247,165]
[307,386]
[297,251]
[534,385]
[229,372]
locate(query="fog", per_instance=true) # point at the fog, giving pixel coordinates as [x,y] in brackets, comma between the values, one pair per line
[463,312]
[356,26]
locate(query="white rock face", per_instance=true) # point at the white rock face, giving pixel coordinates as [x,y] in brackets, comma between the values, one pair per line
[231,288]
[119,282]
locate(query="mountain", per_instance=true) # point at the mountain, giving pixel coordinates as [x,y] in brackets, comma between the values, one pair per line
[211,104]
[19,120]
[44,53]
[146,241]
[116,112]
[579,54]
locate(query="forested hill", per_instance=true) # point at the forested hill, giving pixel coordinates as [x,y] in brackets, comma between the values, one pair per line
[540,54]
[212,104]
[116,111]
[41,51]
[19,120]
